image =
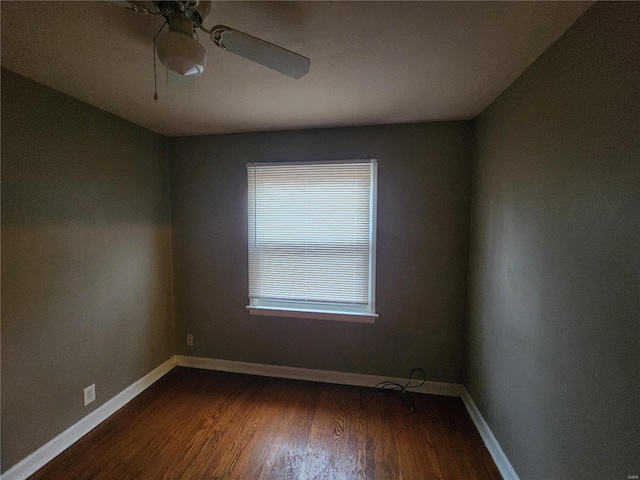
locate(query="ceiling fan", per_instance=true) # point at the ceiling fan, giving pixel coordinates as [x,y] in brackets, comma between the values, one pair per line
[181,53]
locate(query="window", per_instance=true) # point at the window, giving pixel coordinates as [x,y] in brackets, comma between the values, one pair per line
[312,239]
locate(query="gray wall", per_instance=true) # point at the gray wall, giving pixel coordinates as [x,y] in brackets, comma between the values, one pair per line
[423,221]
[86,260]
[554,341]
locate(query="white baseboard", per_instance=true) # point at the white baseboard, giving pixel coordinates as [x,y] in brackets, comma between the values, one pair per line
[31,464]
[362,380]
[38,459]
[498,455]
[295,373]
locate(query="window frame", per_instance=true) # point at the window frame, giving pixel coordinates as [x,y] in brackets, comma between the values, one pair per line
[319,310]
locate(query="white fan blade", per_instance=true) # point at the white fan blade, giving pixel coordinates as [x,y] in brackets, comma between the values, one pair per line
[142,7]
[265,53]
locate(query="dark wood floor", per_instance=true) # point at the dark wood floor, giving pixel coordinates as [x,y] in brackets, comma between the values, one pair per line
[198,424]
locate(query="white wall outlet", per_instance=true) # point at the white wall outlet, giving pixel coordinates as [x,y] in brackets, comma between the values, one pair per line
[89,394]
[190,340]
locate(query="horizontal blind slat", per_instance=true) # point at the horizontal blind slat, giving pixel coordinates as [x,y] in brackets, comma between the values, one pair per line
[309,231]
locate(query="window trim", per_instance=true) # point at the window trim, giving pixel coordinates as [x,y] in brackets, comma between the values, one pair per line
[335,312]
[312,314]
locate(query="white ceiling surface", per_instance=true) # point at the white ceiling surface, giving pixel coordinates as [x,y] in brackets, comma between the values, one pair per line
[371,62]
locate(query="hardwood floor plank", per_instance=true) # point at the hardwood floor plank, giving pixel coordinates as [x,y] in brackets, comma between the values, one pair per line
[198,424]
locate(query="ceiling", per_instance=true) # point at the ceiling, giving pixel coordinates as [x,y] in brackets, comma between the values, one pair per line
[371,62]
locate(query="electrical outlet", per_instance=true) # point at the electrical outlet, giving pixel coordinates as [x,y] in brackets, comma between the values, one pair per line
[190,340]
[89,394]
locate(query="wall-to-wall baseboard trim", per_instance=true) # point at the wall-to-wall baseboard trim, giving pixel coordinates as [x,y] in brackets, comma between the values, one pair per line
[362,380]
[31,464]
[38,459]
[500,459]
[325,376]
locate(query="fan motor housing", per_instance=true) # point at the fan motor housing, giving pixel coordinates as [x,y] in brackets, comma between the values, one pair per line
[181,22]
[185,16]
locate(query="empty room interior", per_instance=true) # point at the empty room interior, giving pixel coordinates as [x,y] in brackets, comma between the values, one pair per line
[206,272]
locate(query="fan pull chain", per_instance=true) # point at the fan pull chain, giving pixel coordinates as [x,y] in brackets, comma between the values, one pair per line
[155,73]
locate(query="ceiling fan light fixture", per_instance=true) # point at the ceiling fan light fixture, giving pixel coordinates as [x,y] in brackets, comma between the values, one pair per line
[181,53]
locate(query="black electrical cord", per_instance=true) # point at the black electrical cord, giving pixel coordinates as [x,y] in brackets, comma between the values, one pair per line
[405,393]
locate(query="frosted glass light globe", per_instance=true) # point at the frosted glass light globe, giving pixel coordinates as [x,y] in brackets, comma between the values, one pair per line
[181,53]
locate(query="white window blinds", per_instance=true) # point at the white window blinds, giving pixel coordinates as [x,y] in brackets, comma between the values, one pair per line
[311,236]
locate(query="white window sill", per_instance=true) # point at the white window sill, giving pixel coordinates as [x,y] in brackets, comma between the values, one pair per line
[313,314]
